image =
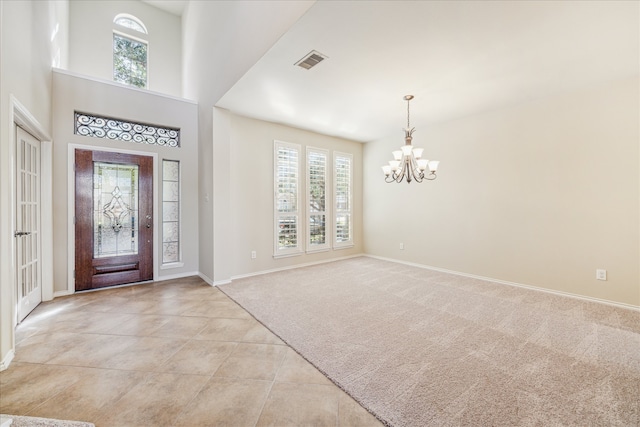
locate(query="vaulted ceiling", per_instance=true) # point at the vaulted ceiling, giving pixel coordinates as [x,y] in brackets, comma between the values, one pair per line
[457,57]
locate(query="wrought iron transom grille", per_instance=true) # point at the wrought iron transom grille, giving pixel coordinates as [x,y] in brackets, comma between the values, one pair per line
[110,128]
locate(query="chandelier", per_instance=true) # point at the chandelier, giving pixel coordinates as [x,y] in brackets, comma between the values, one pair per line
[407,162]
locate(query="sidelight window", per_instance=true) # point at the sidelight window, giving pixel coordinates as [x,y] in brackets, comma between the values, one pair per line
[170,211]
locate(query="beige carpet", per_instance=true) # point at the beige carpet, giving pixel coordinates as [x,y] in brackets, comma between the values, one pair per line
[423,348]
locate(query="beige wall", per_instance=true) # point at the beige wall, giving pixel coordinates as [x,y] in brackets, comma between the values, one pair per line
[251,179]
[91,41]
[71,93]
[540,194]
[25,72]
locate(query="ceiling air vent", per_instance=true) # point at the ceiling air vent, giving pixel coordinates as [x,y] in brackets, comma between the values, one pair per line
[310,60]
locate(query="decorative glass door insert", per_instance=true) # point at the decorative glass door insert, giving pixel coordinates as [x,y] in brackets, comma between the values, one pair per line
[116,220]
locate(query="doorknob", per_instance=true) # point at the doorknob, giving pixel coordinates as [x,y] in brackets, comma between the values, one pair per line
[148,221]
[21,233]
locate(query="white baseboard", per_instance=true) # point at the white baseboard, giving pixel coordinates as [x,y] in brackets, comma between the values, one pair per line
[292,267]
[205,278]
[62,293]
[176,276]
[221,282]
[505,282]
[7,360]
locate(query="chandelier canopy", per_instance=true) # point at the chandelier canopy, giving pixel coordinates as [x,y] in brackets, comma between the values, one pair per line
[407,163]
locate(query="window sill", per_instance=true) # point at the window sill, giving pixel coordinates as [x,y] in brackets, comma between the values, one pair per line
[276,256]
[347,246]
[315,251]
[171,265]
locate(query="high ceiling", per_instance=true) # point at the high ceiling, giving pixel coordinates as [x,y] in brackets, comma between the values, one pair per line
[175,7]
[457,57]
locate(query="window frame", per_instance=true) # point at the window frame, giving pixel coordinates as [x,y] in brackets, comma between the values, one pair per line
[298,213]
[133,37]
[130,18]
[312,248]
[336,211]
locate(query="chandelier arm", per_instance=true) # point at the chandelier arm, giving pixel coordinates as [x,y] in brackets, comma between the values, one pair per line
[417,173]
[403,171]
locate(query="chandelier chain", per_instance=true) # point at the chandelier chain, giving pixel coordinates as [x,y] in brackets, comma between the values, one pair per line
[408,102]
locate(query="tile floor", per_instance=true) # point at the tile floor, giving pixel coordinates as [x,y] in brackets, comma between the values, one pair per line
[174,353]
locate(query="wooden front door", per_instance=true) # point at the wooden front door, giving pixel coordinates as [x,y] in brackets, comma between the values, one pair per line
[114,219]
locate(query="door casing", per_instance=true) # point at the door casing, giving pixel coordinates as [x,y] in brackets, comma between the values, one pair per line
[21,116]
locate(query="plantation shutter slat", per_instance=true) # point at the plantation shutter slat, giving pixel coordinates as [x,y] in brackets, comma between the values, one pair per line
[287,195]
[343,235]
[317,200]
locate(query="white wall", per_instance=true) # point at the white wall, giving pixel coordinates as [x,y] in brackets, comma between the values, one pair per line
[220,29]
[29,44]
[91,41]
[252,208]
[71,92]
[540,194]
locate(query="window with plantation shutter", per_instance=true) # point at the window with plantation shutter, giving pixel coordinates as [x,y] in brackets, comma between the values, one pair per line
[343,209]
[287,199]
[317,219]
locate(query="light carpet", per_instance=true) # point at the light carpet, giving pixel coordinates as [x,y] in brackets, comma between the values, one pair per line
[418,347]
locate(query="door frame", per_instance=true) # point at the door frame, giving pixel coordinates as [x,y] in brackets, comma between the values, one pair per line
[71,228]
[22,117]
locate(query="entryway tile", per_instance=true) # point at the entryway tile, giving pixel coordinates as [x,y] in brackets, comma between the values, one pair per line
[253,361]
[295,369]
[226,402]
[199,357]
[181,327]
[156,401]
[96,390]
[222,329]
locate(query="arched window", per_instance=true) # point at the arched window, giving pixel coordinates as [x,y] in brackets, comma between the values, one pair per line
[130,21]
[129,52]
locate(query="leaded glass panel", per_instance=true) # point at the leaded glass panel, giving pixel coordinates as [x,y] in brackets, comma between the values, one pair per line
[170,211]
[115,218]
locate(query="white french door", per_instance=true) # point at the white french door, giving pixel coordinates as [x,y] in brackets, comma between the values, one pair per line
[27,232]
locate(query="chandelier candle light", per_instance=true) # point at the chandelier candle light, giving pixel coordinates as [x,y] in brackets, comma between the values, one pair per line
[407,162]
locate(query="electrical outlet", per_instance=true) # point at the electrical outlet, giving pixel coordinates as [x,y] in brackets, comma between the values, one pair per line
[601,274]
[401,246]
[253,255]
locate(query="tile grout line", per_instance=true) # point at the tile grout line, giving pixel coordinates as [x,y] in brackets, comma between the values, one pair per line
[275,375]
